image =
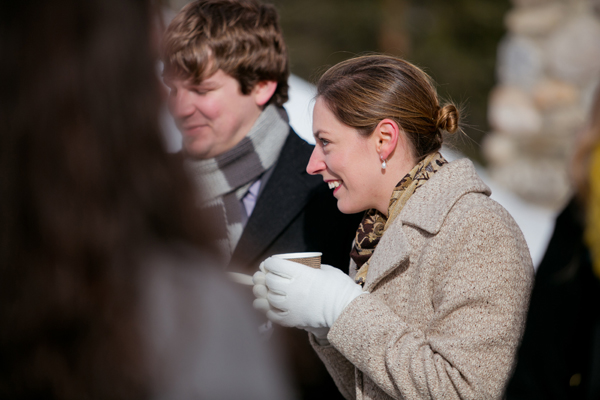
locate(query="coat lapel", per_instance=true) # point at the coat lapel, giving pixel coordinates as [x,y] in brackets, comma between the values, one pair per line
[392,251]
[286,193]
[426,209]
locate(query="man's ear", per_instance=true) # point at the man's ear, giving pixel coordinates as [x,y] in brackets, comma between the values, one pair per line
[386,135]
[263,91]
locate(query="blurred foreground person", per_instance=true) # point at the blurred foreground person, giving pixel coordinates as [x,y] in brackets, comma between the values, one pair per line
[104,291]
[440,277]
[560,355]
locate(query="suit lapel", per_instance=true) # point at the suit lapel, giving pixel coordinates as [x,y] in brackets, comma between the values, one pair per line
[286,193]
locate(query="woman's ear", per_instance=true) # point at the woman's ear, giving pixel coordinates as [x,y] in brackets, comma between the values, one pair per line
[387,135]
[263,91]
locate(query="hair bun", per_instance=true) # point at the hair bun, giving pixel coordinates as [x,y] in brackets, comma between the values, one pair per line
[448,118]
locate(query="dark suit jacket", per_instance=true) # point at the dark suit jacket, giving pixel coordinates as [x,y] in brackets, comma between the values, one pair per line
[296,212]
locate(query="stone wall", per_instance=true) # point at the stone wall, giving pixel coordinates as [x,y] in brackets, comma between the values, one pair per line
[548,68]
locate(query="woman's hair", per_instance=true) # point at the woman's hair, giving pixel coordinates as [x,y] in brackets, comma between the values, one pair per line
[587,142]
[85,185]
[363,91]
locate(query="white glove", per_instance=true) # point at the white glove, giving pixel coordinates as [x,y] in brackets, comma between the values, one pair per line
[262,304]
[260,290]
[303,297]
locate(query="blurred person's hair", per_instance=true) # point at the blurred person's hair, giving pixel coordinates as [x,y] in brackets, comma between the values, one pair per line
[240,37]
[363,91]
[586,143]
[85,185]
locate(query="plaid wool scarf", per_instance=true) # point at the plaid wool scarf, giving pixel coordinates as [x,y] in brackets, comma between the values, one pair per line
[374,223]
[223,181]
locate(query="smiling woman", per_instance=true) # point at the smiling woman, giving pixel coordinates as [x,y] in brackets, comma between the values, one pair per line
[440,276]
[342,156]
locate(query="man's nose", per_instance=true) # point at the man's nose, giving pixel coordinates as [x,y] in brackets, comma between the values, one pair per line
[180,104]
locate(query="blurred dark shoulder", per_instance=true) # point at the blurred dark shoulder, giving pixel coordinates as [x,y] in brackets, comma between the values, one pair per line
[559,357]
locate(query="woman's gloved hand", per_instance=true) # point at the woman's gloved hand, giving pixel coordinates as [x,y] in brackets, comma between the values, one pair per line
[295,295]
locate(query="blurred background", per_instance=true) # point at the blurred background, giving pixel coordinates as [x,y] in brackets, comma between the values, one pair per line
[524,72]
[454,41]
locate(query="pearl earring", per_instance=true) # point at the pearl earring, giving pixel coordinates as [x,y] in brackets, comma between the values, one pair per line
[383,164]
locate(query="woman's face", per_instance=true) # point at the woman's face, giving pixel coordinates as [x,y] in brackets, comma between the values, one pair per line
[348,162]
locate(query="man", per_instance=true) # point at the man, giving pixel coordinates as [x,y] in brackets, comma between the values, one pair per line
[226,64]
[227,67]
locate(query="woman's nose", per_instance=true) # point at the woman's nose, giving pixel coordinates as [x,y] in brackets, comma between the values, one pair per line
[316,164]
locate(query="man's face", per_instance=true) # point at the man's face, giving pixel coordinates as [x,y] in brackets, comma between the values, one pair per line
[213,116]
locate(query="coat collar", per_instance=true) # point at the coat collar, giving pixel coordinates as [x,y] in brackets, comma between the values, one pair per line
[426,209]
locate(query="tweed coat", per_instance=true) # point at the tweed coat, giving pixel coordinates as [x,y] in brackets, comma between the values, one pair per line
[448,290]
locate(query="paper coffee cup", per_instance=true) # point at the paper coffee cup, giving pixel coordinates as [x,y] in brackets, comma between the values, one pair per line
[310,259]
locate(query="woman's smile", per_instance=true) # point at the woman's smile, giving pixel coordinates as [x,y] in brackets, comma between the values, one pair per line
[333,184]
[347,161]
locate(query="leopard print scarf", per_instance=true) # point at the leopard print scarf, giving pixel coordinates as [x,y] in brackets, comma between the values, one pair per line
[374,223]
